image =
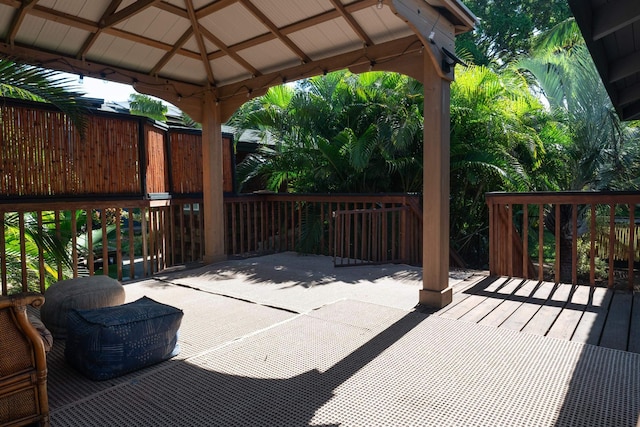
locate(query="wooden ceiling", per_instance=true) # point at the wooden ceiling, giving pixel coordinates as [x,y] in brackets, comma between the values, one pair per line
[179,49]
[611,29]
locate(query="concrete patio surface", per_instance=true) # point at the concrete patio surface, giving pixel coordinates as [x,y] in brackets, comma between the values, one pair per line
[287,340]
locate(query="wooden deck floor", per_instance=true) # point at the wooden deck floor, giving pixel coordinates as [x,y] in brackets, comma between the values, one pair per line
[598,316]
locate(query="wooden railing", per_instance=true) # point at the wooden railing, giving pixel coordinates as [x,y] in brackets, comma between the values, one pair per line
[576,237]
[371,236]
[144,237]
[267,223]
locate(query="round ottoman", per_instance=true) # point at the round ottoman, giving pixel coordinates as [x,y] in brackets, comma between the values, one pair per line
[82,293]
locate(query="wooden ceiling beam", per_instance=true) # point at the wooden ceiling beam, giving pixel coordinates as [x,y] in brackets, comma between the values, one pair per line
[127,12]
[64,18]
[214,7]
[149,42]
[167,56]
[296,26]
[200,40]
[275,30]
[18,17]
[624,67]
[230,52]
[613,16]
[379,54]
[352,23]
[113,6]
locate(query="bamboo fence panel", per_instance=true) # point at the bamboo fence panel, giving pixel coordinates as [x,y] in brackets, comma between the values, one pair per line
[41,154]
[157,178]
[186,162]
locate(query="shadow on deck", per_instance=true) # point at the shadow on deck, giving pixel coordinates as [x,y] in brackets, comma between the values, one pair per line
[349,349]
[589,315]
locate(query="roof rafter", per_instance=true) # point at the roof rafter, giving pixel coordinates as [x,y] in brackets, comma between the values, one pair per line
[214,7]
[232,53]
[201,46]
[275,30]
[113,6]
[352,22]
[127,12]
[19,16]
[612,16]
[296,26]
[167,56]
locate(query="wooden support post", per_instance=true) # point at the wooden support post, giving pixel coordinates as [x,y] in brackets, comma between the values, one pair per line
[436,291]
[212,161]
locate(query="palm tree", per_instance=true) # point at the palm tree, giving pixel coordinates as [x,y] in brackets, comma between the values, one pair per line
[601,152]
[27,82]
[338,133]
[499,132]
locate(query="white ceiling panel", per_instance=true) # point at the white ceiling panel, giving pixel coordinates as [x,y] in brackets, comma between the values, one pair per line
[183,68]
[233,24]
[269,56]
[329,38]
[286,12]
[156,24]
[91,10]
[226,70]
[382,25]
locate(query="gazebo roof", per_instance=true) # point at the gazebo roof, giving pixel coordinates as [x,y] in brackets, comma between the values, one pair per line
[176,49]
[612,33]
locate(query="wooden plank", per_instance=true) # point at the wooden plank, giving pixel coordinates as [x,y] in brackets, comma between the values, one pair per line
[535,294]
[634,325]
[491,284]
[493,299]
[592,322]
[569,318]
[544,318]
[616,328]
[507,306]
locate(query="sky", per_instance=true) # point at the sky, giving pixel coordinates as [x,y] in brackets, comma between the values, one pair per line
[109,91]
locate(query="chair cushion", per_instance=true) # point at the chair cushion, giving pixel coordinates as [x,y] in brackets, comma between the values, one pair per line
[108,342]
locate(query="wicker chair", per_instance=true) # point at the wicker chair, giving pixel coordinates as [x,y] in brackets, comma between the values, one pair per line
[23,364]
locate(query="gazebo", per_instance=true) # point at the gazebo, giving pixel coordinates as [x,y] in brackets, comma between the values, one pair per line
[208,57]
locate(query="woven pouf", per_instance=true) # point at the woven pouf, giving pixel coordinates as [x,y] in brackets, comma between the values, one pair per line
[108,342]
[82,293]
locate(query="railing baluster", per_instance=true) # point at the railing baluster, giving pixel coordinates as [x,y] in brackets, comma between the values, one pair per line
[145,247]
[91,259]
[612,241]
[74,243]
[574,244]
[631,252]
[540,242]
[558,249]
[592,247]
[3,256]
[525,241]
[40,253]
[118,244]
[105,240]
[23,252]
[509,240]
[132,255]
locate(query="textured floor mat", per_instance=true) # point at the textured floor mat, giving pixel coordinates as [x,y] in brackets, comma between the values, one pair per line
[334,367]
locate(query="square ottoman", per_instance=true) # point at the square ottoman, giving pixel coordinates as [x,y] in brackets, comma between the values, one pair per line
[108,342]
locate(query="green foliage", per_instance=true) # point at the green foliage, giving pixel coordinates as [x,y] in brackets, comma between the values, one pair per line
[144,105]
[337,133]
[30,83]
[507,28]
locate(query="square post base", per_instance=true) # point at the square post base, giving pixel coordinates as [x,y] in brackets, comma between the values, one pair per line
[436,299]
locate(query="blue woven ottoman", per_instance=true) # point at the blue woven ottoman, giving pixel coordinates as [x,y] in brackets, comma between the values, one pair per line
[108,342]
